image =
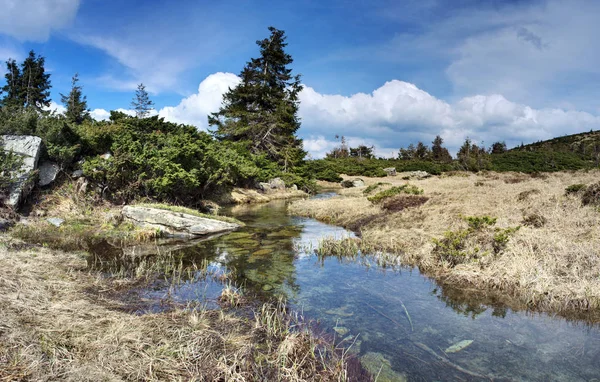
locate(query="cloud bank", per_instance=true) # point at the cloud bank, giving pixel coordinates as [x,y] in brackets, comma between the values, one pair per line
[396,114]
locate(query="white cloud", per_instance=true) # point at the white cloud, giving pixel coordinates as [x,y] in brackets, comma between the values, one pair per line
[104,115]
[194,109]
[56,108]
[35,19]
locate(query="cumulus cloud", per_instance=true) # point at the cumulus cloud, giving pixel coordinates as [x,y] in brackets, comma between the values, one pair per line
[35,19]
[194,109]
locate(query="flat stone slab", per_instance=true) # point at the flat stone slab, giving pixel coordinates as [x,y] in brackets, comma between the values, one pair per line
[48,172]
[175,224]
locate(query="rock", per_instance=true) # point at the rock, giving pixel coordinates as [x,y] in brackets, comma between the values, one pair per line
[175,224]
[77,174]
[274,184]
[277,184]
[391,171]
[357,182]
[341,330]
[458,346]
[48,172]
[106,156]
[57,222]
[378,365]
[28,148]
[294,187]
[419,174]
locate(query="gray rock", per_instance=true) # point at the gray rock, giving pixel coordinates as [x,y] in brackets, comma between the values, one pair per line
[277,184]
[77,174]
[57,222]
[48,172]
[390,171]
[28,148]
[175,224]
[264,186]
[294,187]
[419,174]
[106,156]
[358,182]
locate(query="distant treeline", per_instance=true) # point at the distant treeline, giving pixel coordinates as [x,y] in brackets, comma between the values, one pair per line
[574,152]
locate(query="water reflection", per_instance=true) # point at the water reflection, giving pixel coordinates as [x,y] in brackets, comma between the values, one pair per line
[399,322]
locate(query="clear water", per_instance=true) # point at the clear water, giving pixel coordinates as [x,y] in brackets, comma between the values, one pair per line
[400,323]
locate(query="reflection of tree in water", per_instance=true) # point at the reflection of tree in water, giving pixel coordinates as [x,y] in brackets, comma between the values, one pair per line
[261,256]
[469,302]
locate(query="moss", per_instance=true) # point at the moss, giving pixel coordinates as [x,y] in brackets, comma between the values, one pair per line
[373,187]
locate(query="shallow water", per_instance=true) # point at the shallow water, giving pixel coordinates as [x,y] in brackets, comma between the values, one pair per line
[400,323]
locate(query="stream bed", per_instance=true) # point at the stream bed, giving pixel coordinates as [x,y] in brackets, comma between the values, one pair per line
[399,323]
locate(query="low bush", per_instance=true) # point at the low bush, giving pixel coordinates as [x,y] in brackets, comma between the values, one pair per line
[400,202]
[522,196]
[404,189]
[474,243]
[591,195]
[534,220]
[575,189]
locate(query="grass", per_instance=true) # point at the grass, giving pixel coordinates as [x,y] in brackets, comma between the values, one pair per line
[550,263]
[59,321]
[189,211]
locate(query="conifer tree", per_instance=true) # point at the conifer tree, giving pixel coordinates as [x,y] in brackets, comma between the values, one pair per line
[142,104]
[76,103]
[438,152]
[262,111]
[35,85]
[12,89]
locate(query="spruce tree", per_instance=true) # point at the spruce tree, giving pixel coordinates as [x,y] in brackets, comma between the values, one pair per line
[76,104]
[141,102]
[262,111]
[35,85]
[12,89]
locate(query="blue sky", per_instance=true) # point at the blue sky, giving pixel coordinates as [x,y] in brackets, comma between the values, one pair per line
[386,73]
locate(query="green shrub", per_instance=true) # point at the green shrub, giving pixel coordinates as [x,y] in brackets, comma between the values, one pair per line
[476,242]
[329,175]
[404,189]
[479,222]
[575,189]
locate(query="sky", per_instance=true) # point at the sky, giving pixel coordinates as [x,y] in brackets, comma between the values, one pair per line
[382,72]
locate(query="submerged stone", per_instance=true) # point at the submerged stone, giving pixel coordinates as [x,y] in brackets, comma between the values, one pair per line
[267,287]
[340,312]
[341,330]
[262,252]
[379,366]
[458,346]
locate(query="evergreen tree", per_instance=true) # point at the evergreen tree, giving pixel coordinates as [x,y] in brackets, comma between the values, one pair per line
[262,111]
[422,151]
[142,104]
[498,148]
[34,90]
[407,153]
[363,151]
[12,89]
[438,152]
[76,104]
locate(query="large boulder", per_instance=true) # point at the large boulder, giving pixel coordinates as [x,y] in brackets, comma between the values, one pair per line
[28,148]
[275,184]
[357,182]
[175,224]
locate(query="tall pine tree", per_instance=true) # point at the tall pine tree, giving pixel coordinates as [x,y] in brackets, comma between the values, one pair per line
[75,102]
[142,104]
[12,89]
[35,83]
[262,111]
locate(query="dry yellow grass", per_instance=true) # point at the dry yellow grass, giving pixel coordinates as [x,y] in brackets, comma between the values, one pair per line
[554,267]
[52,328]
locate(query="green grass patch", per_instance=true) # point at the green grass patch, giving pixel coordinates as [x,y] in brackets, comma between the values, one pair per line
[373,187]
[404,189]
